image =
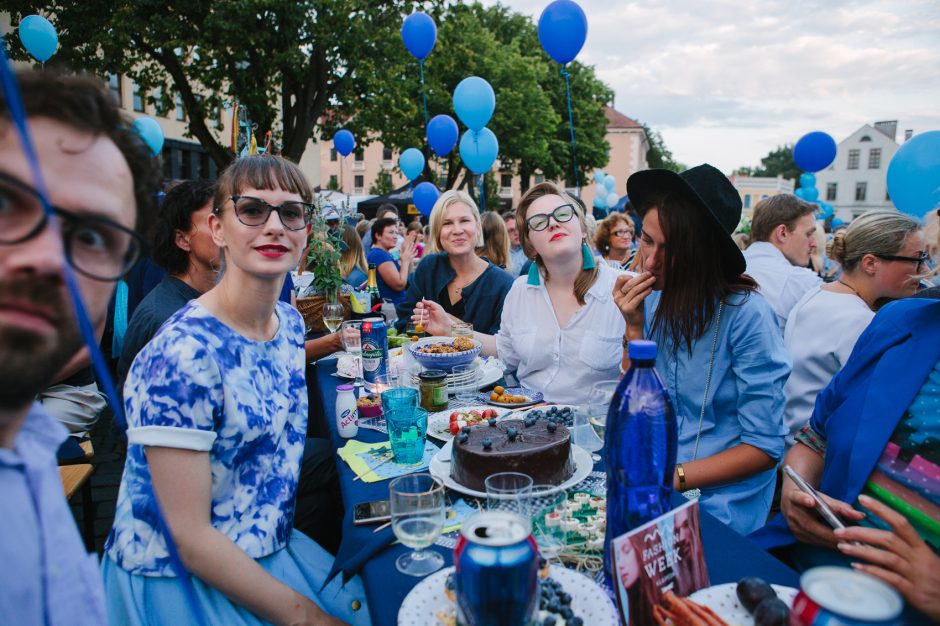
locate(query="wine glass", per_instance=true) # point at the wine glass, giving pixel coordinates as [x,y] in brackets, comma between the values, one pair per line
[332,315]
[508,491]
[352,343]
[417,505]
[583,435]
[601,395]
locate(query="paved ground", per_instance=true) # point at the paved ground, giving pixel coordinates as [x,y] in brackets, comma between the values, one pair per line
[109,463]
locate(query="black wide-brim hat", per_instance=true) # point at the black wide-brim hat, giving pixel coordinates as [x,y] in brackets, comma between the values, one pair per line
[710,190]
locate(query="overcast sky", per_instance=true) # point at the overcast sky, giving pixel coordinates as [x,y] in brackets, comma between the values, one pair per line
[726,81]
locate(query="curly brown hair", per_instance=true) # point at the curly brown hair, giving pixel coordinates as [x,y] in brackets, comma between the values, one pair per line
[606,227]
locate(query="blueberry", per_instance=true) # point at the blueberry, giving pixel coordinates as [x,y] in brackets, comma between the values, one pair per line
[542,562]
[549,621]
[566,410]
[492,422]
[512,433]
[552,427]
[487,443]
[575,621]
[465,430]
[463,438]
[566,612]
[564,598]
[529,422]
[554,607]
[450,582]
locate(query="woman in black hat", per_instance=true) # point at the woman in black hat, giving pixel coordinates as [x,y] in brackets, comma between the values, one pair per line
[720,351]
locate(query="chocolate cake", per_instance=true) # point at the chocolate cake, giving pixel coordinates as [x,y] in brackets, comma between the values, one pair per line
[537,448]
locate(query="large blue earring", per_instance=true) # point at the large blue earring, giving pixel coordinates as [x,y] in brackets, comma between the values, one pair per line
[588,262]
[534,277]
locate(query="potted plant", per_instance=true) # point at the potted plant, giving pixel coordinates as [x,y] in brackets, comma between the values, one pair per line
[323,259]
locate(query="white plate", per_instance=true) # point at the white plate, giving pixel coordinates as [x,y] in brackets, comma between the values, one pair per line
[427,599]
[723,600]
[439,423]
[440,469]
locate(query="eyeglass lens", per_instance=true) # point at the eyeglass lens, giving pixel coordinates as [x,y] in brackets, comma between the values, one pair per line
[255,212]
[561,214]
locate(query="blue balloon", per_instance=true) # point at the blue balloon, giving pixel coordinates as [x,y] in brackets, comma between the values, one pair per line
[474,102]
[442,134]
[837,222]
[612,200]
[598,176]
[814,151]
[825,206]
[810,194]
[344,142]
[807,180]
[424,196]
[610,182]
[150,132]
[39,37]
[800,192]
[419,32]
[562,30]
[914,175]
[411,163]
[826,213]
[479,149]
[599,202]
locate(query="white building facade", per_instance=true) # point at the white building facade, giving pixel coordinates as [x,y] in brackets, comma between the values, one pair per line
[857,180]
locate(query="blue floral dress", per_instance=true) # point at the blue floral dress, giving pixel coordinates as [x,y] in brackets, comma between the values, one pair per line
[199,385]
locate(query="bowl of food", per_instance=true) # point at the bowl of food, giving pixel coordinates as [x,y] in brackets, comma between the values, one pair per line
[444,353]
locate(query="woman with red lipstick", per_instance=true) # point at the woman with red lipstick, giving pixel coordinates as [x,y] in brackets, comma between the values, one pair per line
[217,416]
[560,327]
[468,288]
[720,351]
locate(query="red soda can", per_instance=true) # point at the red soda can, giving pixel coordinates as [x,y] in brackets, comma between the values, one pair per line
[496,571]
[838,596]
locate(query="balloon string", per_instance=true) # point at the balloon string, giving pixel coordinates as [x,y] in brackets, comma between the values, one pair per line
[482,193]
[574,152]
[18,115]
[424,96]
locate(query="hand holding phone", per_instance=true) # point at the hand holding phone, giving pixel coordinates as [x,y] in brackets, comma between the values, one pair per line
[824,509]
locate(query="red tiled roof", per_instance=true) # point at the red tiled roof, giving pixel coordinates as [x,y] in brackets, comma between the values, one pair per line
[616,119]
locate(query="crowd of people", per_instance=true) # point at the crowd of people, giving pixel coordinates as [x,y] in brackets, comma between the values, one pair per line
[765,362]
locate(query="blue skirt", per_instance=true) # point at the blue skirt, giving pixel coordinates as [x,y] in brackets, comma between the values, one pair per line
[135,600]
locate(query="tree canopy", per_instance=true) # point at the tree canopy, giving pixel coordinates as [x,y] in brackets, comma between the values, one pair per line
[659,156]
[778,162]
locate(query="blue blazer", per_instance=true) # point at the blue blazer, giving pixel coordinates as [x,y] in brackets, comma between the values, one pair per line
[860,409]
[483,299]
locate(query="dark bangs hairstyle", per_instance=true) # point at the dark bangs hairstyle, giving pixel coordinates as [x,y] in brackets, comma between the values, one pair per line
[696,280]
[260,172]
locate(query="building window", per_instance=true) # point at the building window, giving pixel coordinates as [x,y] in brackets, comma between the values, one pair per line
[831,189]
[138,99]
[539,178]
[386,154]
[853,159]
[874,159]
[505,181]
[865,138]
[333,154]
[861,190]
[359,155]
[114,86]
[180,111]
[359,183]
[334,182]
[747,201]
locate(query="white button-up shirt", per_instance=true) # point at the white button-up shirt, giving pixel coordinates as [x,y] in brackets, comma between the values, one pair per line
[562,363]
[781,283]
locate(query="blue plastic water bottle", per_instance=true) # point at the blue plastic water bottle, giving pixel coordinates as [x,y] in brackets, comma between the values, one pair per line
[640,455]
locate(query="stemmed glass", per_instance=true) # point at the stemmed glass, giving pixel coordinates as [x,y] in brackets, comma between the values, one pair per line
[332,315]
[417,505]
[352,343]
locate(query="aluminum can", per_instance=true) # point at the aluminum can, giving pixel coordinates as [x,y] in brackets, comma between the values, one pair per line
[347,412]
[374,348]
[838,596]
[496,571]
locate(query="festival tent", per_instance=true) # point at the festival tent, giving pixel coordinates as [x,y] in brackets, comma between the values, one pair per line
[400,197]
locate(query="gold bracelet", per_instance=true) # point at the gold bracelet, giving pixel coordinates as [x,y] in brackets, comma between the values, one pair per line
[681,472]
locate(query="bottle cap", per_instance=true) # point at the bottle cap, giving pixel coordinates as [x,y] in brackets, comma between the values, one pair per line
[642,350]
[432,375]
[344,388]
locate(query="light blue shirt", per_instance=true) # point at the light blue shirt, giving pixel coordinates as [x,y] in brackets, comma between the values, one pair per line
[46,577]
[745,400]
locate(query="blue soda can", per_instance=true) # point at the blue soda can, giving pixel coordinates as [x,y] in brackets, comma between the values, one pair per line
[374,348]
[496,571]
[839,596]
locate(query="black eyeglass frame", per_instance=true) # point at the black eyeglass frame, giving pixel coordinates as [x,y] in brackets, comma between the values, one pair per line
[919,260]
[548,216]
[137,245]
[308,211]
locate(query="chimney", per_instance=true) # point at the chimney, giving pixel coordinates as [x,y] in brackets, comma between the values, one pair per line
[908,133]
[888,128]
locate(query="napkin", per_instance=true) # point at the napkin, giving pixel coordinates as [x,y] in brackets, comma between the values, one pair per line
[352,556]
[373,462]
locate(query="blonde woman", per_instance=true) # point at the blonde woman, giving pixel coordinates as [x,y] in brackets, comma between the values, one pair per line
[561,329]
[614,240]
[352,263]
[495,248]
[464,286]
[882,254]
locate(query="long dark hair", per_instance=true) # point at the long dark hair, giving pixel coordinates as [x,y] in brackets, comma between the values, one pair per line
[696,280]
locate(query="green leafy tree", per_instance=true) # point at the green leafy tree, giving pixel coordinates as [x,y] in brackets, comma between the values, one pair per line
[778,162]
[287,62]
[383,183]
[659,156]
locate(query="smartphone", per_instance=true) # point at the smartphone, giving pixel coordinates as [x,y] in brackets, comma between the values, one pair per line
[372,512]
[827,513]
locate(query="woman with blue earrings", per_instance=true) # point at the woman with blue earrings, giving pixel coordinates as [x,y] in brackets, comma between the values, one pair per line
[560,329]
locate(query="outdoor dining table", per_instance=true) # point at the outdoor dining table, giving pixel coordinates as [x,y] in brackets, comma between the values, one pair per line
[729,556]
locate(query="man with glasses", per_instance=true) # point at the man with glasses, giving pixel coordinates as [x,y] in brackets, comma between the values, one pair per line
[100,181]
